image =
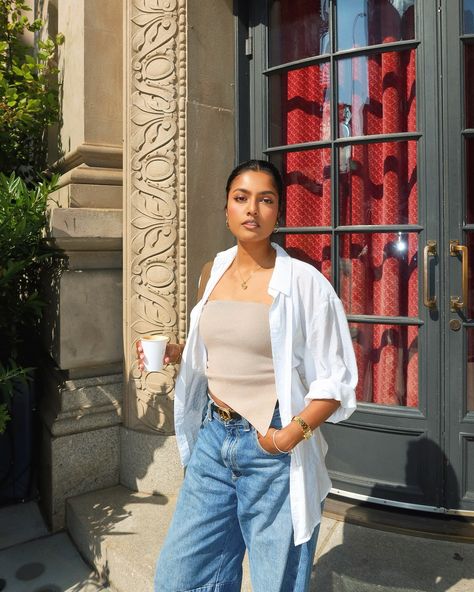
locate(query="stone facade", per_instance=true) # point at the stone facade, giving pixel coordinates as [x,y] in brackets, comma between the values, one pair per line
[145,82]
[83,380]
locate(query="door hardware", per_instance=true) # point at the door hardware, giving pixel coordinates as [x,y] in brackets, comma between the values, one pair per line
[454,324]
[428,251]
[458,302]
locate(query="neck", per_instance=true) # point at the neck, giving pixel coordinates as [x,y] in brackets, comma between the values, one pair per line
[251,255]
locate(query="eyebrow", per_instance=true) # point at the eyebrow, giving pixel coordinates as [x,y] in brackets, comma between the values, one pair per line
[260,192]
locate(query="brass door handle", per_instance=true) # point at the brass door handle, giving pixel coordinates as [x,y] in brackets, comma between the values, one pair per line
[428,251]
[456,302]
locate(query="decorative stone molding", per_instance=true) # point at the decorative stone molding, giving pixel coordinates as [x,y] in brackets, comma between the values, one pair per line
[92,155]
[155,203]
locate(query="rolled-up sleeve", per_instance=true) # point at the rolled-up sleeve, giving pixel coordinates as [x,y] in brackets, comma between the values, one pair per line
[332,358]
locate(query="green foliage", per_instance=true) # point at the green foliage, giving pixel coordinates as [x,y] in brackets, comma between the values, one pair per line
[10,376]
[4,417]
[24,255]
[29,100]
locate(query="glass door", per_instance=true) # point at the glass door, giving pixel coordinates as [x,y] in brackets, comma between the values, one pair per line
[459,238]
[344,99]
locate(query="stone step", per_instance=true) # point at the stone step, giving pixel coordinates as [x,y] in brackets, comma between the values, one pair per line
[120,532]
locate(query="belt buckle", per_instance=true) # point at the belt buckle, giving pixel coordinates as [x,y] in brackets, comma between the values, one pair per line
[224,414]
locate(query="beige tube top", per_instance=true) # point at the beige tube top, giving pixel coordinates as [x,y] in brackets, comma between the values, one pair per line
[239,358]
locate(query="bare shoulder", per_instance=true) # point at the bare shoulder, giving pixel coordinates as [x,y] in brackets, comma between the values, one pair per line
[203,278]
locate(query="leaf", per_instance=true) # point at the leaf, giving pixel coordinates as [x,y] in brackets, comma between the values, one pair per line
[4,417]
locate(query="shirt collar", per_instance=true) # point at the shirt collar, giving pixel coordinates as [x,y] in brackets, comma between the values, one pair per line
[281,276]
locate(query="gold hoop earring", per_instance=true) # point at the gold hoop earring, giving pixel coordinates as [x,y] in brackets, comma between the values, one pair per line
[277,227]
[227,221]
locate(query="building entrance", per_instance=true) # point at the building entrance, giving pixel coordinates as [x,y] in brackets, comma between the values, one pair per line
[367,107]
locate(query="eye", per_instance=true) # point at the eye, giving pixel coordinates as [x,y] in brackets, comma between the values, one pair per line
[240,198]
[267,200]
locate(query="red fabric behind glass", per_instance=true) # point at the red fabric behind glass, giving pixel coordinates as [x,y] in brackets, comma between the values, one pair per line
[379,174]
[298,29]
[391,367]
[307,117]
[308,187]
[314,249]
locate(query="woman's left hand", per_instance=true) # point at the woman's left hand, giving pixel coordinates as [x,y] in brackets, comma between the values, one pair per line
[267,442]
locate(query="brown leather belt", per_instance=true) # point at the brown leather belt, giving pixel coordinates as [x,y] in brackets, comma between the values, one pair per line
[225,413]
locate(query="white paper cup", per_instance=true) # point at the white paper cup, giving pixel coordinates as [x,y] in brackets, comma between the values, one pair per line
[154,347]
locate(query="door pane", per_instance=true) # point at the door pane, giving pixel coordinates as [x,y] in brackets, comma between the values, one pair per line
[298,29]
[307,178]
[468,16]
[470,299]
[378,184]
[379,273]
[387,360]
[470,370]
[377,94]
[299,108]
[312,248]
[469,84]
[370,22]
[470,181]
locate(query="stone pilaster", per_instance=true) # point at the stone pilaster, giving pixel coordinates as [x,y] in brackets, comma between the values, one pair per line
[154,222]
[154,178]
[83,380]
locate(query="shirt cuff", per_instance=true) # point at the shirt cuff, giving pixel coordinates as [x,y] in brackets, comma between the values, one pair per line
[326,388]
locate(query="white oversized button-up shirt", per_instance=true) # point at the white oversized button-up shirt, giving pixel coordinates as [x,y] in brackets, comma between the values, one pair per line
[313,358]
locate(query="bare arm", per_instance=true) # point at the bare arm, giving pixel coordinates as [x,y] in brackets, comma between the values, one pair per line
[203,279]
[174,351]
[288,437]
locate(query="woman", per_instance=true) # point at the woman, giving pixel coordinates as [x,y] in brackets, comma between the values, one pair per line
[267,360]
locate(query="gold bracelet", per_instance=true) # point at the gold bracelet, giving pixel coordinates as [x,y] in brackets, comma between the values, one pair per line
[307,431]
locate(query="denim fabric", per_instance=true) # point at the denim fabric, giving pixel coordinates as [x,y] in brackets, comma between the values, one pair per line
[235,495]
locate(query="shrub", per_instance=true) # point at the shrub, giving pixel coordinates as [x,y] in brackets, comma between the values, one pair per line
[29,100]
[24,256]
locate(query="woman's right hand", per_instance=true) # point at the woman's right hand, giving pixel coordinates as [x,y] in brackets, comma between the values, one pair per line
[172,354]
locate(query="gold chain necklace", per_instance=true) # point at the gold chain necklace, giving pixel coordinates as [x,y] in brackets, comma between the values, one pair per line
[243,285]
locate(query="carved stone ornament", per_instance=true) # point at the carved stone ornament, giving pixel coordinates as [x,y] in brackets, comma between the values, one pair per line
[155,204]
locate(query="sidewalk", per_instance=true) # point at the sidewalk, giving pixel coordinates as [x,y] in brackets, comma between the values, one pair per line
[122,531]
[32,560]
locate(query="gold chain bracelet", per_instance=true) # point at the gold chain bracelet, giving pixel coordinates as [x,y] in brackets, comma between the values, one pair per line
[307,431]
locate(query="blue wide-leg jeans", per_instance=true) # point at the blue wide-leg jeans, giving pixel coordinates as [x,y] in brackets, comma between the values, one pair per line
[235,496]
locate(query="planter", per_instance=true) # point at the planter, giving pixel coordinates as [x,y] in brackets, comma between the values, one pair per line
[17,446]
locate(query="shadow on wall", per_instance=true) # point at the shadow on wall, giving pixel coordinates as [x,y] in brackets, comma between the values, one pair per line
[370,560]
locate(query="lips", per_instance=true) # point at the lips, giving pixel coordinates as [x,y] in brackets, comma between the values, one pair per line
[250,224]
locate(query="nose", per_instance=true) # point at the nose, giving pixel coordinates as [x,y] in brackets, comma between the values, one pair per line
[252,207]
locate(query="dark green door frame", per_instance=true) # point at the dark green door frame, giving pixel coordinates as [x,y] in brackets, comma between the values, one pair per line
[458,425]
[409,457]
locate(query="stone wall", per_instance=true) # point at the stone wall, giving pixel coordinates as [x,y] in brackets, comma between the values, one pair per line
[175,110]
[83,376]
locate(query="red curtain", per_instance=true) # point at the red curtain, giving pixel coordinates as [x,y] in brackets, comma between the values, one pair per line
[378,186]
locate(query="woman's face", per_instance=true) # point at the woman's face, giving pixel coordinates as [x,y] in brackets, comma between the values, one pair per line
[252,206]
